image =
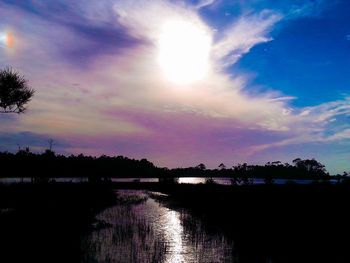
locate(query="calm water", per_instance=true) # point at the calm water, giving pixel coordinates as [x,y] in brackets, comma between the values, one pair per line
[28,180]
[227,181]
[142,229]
[182,180]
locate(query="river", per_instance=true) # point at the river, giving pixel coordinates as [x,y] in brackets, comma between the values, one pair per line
[140,228]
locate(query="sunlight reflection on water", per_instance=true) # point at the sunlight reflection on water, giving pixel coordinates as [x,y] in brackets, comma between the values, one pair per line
[151,232]
[174,233]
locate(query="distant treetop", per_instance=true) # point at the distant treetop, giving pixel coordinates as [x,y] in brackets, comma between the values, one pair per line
[15,92]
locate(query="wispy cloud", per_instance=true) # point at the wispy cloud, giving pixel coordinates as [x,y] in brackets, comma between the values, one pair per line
[243,34]
[203,3]
[324,123]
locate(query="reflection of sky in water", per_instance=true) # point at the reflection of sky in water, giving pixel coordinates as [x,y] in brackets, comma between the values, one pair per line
[185,247]
[191,180]
[166,237]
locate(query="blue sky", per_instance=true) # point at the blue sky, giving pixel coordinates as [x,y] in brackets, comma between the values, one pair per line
[308,58]
[182,82]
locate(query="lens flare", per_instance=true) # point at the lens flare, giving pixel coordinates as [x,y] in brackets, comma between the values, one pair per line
[10,41]
[7,40]
[2,38]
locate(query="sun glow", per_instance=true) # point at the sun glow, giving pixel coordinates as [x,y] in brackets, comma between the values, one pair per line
[184,52]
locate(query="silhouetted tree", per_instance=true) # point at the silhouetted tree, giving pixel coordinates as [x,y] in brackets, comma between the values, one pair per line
[296,161]
[222,166]
[310,166]
[51,143]
[15,92]
[23,155]
[276,163]
[201,166]
[210,180]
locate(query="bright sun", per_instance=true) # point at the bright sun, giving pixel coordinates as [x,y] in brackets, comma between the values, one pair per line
[184,52]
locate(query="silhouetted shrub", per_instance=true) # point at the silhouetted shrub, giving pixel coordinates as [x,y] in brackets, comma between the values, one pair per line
[210,180]
[15,92]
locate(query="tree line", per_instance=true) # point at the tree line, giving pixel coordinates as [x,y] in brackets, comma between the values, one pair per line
[40,166]
[299,169]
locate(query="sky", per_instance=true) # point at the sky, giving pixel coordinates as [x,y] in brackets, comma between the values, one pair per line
[182,82]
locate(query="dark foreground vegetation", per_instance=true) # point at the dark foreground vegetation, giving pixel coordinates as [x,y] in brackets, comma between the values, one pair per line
[274,223]
[45,222]
[43,166]
[267,223]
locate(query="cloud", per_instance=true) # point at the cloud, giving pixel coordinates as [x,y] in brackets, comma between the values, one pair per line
[100,87]
[323,123]
[242,35]
[307,8]
[81,34]
[203,3]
